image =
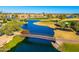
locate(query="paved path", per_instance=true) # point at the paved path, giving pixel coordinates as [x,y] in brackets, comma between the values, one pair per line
[5,39]
[68,40]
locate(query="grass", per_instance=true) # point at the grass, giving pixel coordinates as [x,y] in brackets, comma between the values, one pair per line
[38,18]
[16,39]
[65,34]
[70,47]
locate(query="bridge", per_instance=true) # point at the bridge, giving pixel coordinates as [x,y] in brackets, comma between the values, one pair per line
[39,36]
[56,42]
[42,37]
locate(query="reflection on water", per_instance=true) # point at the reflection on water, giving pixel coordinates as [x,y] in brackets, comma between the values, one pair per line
[32,46]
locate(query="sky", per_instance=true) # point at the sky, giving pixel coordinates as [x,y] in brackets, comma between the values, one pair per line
[39,9]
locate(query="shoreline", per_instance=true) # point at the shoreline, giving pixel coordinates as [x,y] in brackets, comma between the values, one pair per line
[68,37]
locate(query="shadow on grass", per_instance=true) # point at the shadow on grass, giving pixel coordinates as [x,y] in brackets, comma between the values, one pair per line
[63,29]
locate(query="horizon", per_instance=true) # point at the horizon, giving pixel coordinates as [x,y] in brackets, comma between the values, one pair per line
[40,9]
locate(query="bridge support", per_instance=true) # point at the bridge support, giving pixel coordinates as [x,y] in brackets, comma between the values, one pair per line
[57,44]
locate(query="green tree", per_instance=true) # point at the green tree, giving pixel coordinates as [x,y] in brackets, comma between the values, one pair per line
[10,27]
[62,16]
[77,26]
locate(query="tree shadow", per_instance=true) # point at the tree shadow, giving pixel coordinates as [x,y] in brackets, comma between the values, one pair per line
[63,29]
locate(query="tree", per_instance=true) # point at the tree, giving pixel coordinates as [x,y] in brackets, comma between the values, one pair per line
[62,16]
[14,16]
[10,27]
[3,17]
[64,25]
[77,26]
[49,16]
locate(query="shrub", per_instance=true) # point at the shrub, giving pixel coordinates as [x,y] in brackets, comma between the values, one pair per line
[10,27]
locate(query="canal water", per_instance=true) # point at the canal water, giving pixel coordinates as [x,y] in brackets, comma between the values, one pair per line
[32,44]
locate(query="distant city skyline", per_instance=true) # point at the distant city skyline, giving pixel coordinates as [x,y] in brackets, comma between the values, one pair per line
[39,9]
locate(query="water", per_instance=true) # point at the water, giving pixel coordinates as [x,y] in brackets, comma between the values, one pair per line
[35,44]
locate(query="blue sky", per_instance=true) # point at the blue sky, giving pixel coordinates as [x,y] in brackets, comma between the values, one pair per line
[40,9]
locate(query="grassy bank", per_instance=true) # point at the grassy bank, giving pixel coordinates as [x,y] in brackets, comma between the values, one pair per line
[16,39]
[70,47]
[38,18]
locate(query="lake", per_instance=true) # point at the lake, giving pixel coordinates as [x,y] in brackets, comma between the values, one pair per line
[30,44]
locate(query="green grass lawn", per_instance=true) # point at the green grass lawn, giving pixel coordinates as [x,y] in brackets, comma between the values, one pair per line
[38,18]
[69,47]
[16,39]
